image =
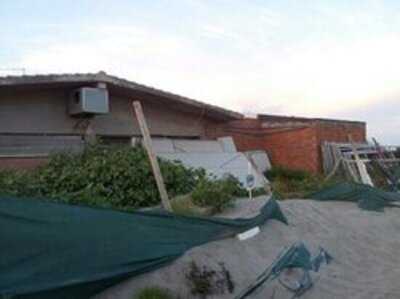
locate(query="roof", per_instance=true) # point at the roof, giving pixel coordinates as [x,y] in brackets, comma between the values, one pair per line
[287,118]
[118,83]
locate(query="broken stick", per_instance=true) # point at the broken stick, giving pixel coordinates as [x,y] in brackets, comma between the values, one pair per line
[152,157]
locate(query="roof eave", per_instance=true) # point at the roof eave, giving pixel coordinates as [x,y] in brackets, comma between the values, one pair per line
[102,77]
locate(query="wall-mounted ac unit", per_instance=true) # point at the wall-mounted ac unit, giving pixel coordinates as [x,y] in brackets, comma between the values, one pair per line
[88,101]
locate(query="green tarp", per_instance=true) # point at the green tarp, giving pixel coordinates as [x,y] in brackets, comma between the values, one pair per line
[296,256]
[367,197]
[51,250]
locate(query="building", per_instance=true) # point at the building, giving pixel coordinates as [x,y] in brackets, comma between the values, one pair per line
[292,142]
[43,114]
[39,115]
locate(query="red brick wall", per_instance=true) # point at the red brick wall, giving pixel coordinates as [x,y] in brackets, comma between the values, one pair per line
[339,132]
[21,163]
[296,147]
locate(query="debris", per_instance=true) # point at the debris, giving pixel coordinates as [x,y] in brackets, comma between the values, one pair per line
[218,157]
[296,256]
[360,163]
[248,234]
[204,281]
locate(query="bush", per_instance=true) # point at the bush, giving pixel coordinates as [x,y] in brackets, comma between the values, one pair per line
[295,183]
[154,293]
[214,193]
[279,172]
[118,177]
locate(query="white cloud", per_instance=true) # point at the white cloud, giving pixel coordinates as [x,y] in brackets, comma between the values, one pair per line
[317,77]
[245,61]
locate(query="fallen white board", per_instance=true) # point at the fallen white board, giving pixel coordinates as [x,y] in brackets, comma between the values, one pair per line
[218,164]
[248,234]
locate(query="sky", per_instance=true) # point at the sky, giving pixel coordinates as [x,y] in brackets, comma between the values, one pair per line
[332,58]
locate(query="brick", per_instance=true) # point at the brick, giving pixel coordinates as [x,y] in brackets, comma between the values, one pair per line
[294,144]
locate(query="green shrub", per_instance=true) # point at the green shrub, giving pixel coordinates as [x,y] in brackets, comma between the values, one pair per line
[118,177]
[16,182]
[214,193]
[154,293]
[295,183]
[286,173]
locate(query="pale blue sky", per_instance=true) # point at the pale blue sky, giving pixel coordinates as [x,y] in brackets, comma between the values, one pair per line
[311,58]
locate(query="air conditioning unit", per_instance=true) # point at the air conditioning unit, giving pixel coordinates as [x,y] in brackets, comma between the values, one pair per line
[88,101]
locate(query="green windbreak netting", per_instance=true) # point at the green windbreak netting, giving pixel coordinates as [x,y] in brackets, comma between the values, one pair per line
[296,256]
[367,197]
[51,250]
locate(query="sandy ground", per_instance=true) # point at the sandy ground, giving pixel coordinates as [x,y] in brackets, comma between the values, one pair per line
[365,246]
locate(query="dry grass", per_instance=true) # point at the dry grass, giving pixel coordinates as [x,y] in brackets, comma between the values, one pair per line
[183,205]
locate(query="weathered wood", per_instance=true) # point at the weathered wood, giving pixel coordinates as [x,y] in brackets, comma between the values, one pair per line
[350,171]
[387,160]
[362,169]
[152,157]
[334,170]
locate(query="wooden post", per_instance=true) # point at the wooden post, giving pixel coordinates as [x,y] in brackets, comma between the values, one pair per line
[153,159]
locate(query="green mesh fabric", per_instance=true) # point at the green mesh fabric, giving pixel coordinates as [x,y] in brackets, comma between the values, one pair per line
[51,250]
[367,197]
[296,256]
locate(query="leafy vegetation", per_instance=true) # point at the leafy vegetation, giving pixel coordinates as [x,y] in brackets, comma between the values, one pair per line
[215,193]
[118,177]
[121,177]
[290,183]
[154,293]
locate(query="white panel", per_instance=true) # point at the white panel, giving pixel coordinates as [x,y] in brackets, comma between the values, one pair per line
[260,159]
[248,234]
[197,146]
[218,164]
[228,145]
[162,145]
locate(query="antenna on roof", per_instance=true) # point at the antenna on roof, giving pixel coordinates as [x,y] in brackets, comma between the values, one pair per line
[21,70]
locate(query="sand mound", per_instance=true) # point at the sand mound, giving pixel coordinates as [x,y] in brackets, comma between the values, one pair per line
[365,246]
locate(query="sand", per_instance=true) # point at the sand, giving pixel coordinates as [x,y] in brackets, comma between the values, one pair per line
[365,246]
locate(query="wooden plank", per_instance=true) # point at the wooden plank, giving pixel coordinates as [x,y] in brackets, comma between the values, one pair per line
[152,157]
[387,160]
[334,170]
[337,156]
[362,169]
[350,171]
[348,145]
